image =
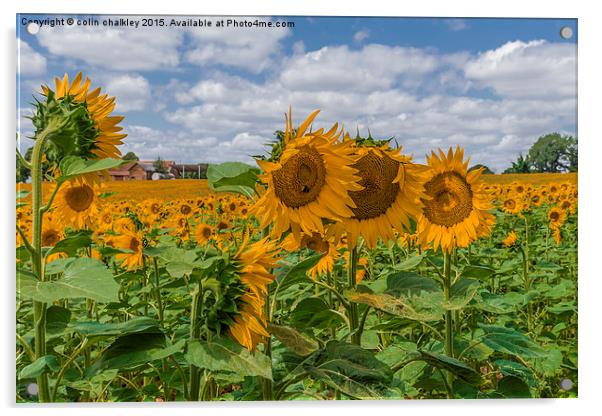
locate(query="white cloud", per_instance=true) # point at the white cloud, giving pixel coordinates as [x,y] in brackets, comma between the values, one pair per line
[527,69]
[29,62]
[124,49]
[339,68]
[249,48]
[361,35]
[456,25]
[132,92]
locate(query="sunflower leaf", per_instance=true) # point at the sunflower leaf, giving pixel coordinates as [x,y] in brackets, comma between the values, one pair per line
[73,166]
[223,354]
[233,177]
[82,278]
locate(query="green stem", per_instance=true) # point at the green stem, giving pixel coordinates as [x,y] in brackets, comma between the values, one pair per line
[39,308]
[158,291]
[449,329]
[267,385]
[73,356]
[195,332]
[352,309]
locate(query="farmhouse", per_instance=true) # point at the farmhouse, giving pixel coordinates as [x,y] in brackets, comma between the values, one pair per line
[144,170]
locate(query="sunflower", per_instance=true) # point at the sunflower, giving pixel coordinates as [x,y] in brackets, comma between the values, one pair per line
[319,244]
[556,217]
[557,236]
[309,182]
[391,195]
[75,205]
[254,263]
[510,239]
[134,242]
[101,141]
[203,233]
[52,233]
[512,205]
[456,212]
[536,199]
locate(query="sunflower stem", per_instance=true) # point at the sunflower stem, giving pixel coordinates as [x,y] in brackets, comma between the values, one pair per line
[356,336]
[449,329]
[39,308]
[194,373]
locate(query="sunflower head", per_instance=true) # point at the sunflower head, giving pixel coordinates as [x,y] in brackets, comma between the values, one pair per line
[75,205]
[80,121]
[391,194]
[309,181]
[133,243]
[556,217]
[510,239]
[238,282]
[456,212]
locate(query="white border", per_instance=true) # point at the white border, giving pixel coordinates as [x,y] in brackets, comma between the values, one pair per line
[590,202]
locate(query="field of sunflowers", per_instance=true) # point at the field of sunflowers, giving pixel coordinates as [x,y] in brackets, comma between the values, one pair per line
[335,269]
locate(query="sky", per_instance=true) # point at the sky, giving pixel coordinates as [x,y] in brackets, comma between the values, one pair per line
[215,94]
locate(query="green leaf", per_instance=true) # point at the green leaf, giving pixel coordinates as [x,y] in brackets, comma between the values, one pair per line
[134,325]
[460,369]
[510,341]
[132,350]
[82,278]
[288,276]
[477,272]
[224,354]
[513,387]
[512,368]
[40,366]
[293,339]
[73,166]
[71,244]
[426,307]
[233,177]
[314,313]
[352,369]
[410,263]
[462,293]
[57,319]
[22,194]
[409,283]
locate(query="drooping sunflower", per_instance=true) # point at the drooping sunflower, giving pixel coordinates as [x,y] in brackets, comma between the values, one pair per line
[456,212]
[134,242]
[75,205]
[203,233]
[107,135]
[307,182]
[510,239]
[254,262]
[556,217]
[319,244]
[392,195]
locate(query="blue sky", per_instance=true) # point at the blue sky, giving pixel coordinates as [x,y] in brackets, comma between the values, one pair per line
[211,95]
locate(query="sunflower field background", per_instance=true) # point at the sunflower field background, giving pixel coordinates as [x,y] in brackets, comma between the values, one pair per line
[335,269]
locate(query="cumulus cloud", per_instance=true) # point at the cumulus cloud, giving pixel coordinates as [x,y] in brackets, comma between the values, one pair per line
[456,25]
[250,48]
[372,67]
[127,49]
[361,35]
[132,92]
[527,69]
[29,62]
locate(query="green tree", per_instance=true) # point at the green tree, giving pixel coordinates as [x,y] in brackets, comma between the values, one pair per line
[158,165]
[485,168]
[554,153]
[522,165]
[22,171]
[130,156]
